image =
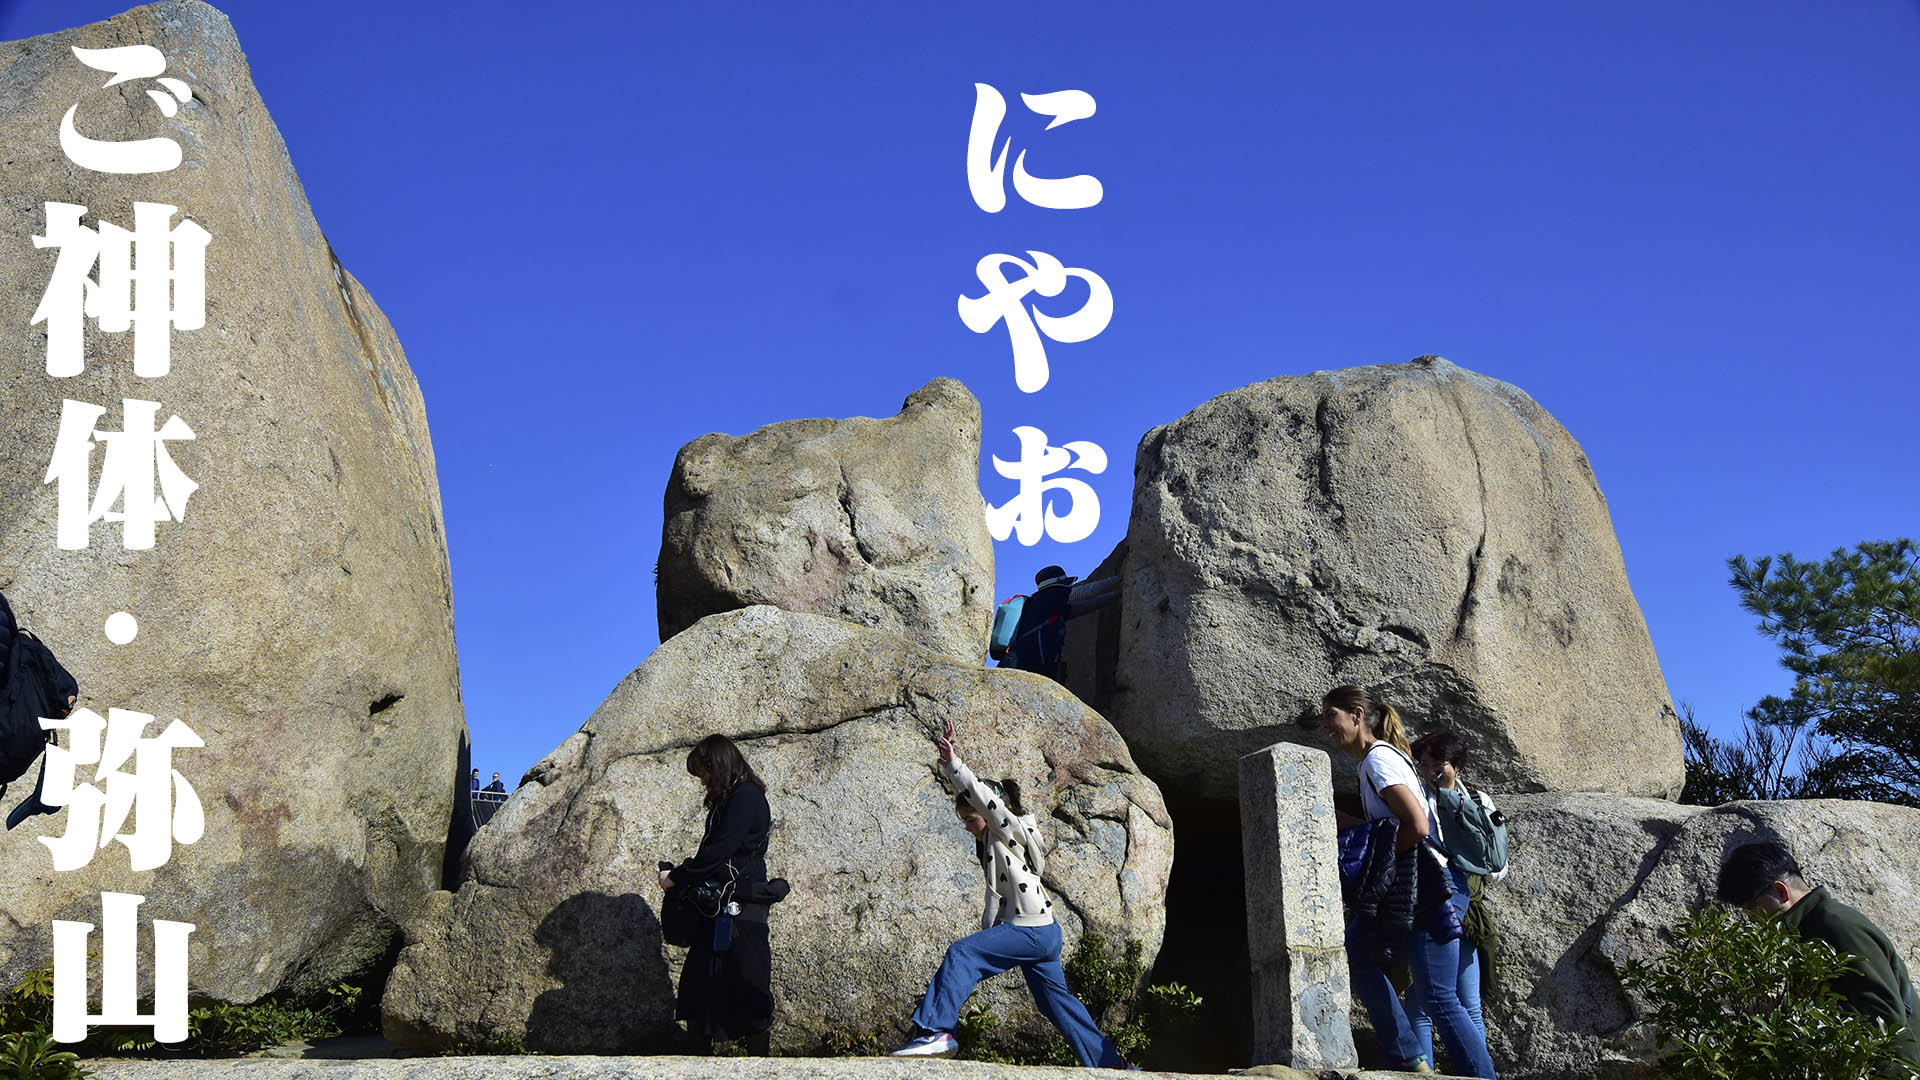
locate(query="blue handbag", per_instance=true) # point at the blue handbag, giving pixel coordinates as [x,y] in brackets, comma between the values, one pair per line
[1353,852]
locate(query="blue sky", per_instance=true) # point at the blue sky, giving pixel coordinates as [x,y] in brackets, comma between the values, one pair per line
[1687,230]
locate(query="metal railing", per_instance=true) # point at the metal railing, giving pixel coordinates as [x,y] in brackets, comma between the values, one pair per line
[486,804]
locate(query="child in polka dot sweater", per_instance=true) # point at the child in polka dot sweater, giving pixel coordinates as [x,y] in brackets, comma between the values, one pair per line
[1017,928]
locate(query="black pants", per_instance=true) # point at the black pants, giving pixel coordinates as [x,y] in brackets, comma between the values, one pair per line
[728,995]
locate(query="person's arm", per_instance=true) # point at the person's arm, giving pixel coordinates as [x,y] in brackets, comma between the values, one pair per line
[722,842]
[1090,596]
[65,690]
[1413,817]
[7,627]
[1870,988]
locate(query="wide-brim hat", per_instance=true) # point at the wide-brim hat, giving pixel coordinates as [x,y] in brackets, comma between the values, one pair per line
[1053,575]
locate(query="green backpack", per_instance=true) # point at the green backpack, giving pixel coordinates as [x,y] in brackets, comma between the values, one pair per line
[1475,837]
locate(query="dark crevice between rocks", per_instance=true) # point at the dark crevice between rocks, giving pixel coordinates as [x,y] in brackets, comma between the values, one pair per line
[371,979]
[1466,596]
[460,827]
[382,704]
[846,510]
[1206,941]
[1479,548]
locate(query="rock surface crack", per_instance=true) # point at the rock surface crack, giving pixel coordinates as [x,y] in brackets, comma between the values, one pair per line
[1324,473]
[1467,603]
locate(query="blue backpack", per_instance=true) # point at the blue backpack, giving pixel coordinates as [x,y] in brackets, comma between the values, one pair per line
[1006,619]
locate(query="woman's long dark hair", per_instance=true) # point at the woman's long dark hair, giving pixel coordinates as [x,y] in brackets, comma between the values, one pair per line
[720,766]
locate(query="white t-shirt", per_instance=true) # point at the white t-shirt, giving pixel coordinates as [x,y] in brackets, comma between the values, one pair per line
[1383,767]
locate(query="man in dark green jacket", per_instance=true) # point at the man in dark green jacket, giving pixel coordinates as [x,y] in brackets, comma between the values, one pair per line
[1765,877]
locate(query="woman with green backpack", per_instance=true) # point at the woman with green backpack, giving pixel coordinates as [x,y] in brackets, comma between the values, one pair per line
[1473,834]
[1399,923]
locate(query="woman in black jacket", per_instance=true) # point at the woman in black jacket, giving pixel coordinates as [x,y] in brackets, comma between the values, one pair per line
[726,989]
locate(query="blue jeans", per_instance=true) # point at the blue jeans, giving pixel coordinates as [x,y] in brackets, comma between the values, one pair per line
[1441,1000]
[1375,991]
[1466,984]
[1035,950]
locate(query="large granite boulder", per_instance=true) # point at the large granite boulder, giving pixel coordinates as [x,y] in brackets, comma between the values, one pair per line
[299,618]
[1597,881]
[1417,529]
[878,522]
[553,938]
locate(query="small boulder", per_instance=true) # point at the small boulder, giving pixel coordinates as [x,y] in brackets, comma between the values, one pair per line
[877,522]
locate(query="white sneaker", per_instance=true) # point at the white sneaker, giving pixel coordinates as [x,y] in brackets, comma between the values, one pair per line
[938,1044]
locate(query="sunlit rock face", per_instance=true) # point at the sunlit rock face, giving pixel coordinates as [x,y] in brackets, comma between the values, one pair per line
[1417,529]
[299,618]
[877,522]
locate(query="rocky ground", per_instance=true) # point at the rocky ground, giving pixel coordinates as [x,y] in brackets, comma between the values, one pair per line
[608,1068]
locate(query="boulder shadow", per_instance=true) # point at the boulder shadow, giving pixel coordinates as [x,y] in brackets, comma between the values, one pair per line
[616,995]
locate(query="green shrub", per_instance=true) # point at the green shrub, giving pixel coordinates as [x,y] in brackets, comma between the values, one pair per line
[854,1044]
[504,1046]
[33,1055]
[216,1030]
[27,1051]
[1748,999]
[979,1025]
[29,1005]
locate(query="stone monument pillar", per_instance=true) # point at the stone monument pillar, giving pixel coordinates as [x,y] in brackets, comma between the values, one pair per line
[1295,933]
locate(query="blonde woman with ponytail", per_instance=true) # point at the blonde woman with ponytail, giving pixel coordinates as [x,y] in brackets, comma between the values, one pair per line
[1390,788]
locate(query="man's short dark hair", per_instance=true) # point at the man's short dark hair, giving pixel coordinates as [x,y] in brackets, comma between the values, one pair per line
[1749,869]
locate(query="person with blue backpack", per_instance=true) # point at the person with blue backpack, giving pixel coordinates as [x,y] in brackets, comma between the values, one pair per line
[1030,632]
[1473,834]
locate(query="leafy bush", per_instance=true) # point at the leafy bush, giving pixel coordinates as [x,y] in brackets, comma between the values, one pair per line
[215,1030]
[1110,988]
[29,1006]
[1748,999]
[856,1043]
[979,1025]
[27,1050]
[504,1046]
[33,1055]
